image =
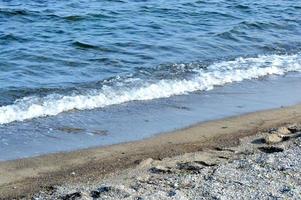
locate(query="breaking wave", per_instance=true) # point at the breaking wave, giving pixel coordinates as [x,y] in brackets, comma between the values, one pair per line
[216,74]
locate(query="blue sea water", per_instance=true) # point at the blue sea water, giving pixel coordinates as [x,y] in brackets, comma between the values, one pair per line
[77,47]
[58,57]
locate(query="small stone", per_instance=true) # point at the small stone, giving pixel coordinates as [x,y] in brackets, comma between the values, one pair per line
[294,128]
[283,130]
[285,189]
[86,196]
[271,149]
[171,193]
[208,163]
[118,190]
[190,166]
[95,194]
[272,138]
[160,169]
[104,189]
[72,196]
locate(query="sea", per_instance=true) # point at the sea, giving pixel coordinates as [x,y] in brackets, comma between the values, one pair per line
[83,73]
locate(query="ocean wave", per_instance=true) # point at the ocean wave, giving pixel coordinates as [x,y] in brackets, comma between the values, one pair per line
[86,16]
[15,12]
[216,74]
[85,45]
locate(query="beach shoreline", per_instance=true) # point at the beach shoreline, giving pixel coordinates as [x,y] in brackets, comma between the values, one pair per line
[25,177]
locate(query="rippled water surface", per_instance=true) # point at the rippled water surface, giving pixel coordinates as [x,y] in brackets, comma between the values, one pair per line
[58,56]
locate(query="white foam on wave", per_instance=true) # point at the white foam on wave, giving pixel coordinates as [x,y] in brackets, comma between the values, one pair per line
[217,74]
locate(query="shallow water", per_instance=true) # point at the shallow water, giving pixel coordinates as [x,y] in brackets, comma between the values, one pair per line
[138,120]
[60,59]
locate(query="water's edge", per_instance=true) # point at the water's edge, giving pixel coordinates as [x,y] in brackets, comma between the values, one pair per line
[139,120]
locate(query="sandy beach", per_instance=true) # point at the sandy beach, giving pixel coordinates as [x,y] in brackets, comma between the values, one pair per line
[262,166]
[24,178]
[143,100]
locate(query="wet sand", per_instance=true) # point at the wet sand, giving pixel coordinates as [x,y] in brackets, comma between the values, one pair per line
[22,178]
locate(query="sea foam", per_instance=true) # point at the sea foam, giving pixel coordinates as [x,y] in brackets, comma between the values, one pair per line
[216,74]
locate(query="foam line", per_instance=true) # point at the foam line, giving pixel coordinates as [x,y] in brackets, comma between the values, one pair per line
[216,74]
